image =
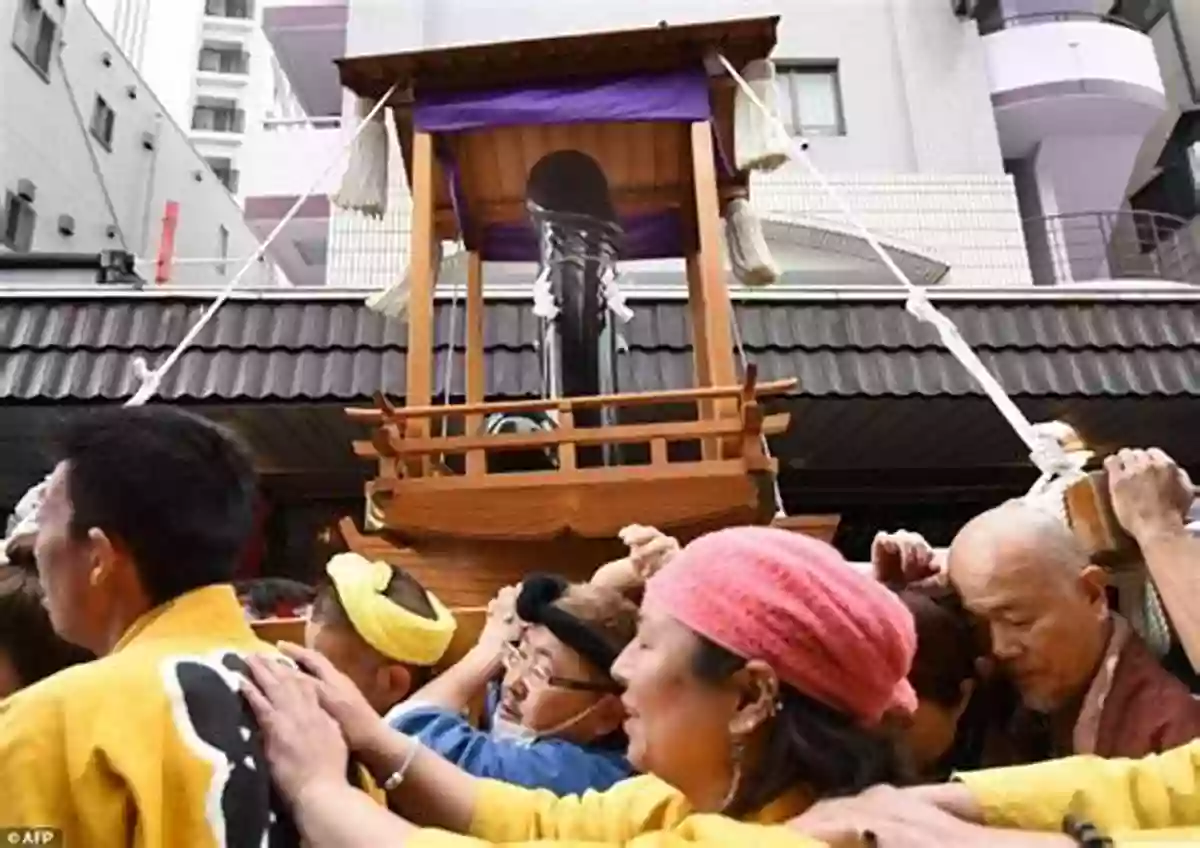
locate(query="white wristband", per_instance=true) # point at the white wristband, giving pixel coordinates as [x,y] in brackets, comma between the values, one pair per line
[397,777]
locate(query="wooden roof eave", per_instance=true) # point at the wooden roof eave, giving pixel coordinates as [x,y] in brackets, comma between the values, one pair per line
[559,59]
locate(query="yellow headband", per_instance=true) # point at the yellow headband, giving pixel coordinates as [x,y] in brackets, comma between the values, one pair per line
[387,627]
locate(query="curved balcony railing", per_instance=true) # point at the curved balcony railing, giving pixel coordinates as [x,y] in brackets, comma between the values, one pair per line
[1121,245]
[998,22]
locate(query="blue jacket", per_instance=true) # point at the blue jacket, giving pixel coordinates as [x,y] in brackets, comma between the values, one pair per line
[555,764]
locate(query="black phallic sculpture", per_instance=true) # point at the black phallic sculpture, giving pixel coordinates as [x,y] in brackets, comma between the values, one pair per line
[570,206]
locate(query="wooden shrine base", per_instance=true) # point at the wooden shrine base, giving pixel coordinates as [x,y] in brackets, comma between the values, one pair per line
[466,575]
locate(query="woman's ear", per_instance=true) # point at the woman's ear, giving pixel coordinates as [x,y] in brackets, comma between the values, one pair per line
[758,697]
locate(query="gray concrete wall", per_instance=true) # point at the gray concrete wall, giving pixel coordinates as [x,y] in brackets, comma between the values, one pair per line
[42,141]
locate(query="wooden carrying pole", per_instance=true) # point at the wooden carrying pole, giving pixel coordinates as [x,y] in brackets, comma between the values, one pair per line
[1090,513]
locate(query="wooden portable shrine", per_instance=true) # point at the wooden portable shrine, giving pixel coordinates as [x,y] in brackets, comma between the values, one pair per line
[474,124]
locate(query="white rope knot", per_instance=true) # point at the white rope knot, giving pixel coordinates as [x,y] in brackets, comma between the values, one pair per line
[544,304]
[1048,458]
[148,382]
[614,298]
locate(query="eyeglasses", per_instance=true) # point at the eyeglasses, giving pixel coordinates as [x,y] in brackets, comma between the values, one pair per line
[538,669]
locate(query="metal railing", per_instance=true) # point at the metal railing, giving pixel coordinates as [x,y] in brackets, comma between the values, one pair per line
[996,22]
[321,122]
[1119,245]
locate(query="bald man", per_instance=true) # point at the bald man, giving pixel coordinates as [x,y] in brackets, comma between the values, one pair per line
[1076,663]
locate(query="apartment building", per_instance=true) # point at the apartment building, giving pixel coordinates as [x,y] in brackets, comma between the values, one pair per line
[213,64]
[92,160]
[989,142]
[1166,179]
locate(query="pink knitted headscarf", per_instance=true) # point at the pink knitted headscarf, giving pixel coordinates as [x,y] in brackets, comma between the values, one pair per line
[791,601]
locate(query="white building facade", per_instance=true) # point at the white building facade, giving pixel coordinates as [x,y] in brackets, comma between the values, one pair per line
[92,160]
[991,143]
[212,67]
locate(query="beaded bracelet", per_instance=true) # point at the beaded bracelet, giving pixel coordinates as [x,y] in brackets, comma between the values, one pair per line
[397,777]
[1085,834]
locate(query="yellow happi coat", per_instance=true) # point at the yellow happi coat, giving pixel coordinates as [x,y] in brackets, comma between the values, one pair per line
[1154,801]
[149,746]
[1151,801]
[641,812]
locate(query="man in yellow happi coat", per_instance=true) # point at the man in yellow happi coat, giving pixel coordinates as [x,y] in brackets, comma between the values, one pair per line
[1154,800]
[141,527]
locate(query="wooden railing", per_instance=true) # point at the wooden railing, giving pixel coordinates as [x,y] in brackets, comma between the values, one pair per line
[404,450]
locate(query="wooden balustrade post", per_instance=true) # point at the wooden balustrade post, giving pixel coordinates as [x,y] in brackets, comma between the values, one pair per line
[476,459]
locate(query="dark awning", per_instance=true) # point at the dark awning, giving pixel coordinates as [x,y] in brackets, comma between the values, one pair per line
[883,412]
[314,348]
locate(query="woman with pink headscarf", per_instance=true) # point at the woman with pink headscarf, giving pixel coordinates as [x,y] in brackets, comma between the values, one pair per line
[764,677]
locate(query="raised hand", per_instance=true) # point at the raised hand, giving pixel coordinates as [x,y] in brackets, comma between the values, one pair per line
[649,549]
[338,696]
[904,557]
[303,742]
[1150,493]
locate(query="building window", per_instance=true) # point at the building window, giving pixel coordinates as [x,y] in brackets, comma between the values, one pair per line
[217,115]
[224,58]
[222,249]
[35,35]
[810,100]
[229,8]
[224,171]
[103,118]
[1143,14]
[19,221]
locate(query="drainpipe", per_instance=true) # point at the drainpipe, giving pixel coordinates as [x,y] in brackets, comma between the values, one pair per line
[111,266]
[1185,61]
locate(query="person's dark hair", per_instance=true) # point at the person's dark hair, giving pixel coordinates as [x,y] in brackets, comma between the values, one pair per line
[950,645]
[19,552]
[948,649]
[808,744]
[268,597]
[177,491]
[26,637]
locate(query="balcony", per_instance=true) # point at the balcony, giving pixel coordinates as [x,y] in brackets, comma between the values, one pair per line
[280,159]
[1070,74]
[223,65]
[307,37]
[1101,246]
[281,156]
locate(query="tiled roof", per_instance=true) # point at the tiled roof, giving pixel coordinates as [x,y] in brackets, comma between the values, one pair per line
[311,349]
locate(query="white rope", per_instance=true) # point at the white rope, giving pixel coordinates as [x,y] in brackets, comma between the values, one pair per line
[1045,452]
[201,260]
[151,379]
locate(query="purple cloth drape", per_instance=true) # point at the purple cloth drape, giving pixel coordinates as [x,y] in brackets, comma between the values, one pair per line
[651,236]
[677,96]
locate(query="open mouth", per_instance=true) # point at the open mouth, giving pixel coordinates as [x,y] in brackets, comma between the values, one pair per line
[508,710]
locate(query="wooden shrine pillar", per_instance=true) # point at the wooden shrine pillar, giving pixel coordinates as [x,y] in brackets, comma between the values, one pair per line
[476,459]
[418,386]
[708,296]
